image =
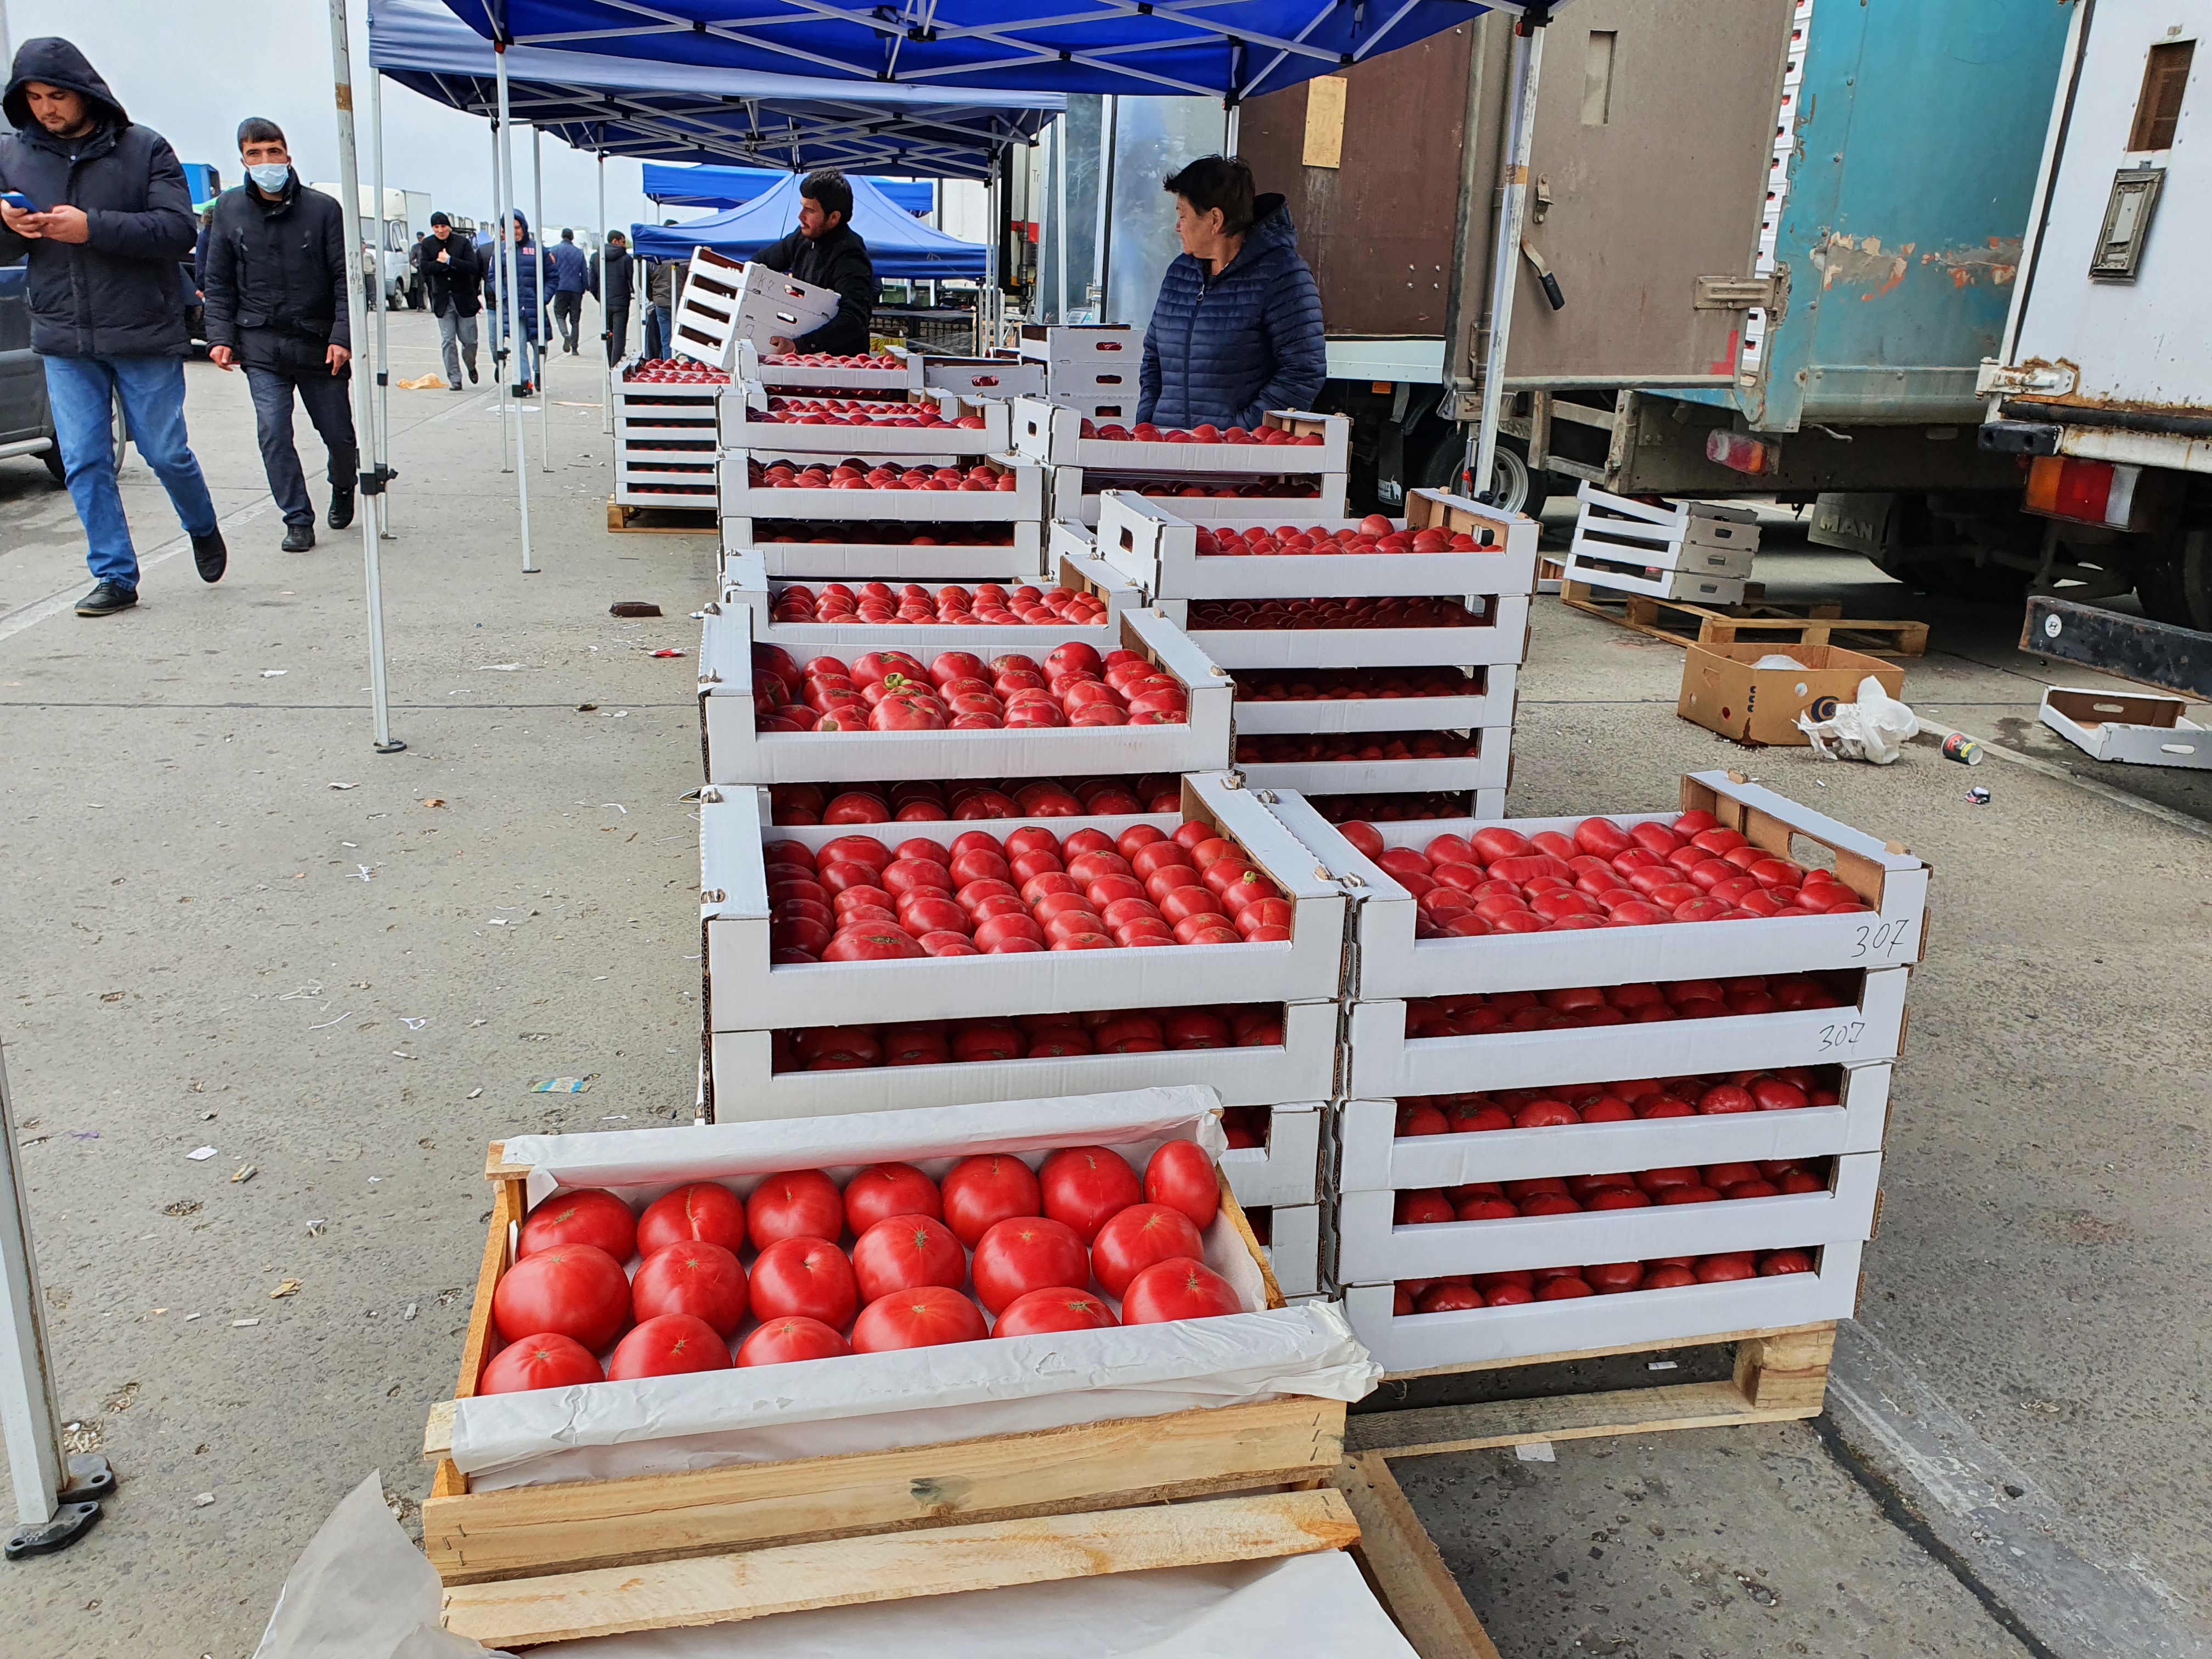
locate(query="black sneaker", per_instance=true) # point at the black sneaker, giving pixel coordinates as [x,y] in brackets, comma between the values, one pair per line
[472,373]
[298,539]
[210,554]
[107,599]
[341,508]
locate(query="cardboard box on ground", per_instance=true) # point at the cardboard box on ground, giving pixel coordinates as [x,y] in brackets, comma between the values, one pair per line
[1754,693]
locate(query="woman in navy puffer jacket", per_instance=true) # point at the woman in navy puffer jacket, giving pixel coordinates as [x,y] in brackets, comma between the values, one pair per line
[1237,330]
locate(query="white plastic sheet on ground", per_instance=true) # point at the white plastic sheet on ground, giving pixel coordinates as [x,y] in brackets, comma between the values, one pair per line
[923,1397]
[1874,728]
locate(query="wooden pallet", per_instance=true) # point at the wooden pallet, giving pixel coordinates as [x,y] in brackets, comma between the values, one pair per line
[660,520]
[1779,1375]
[1757,621]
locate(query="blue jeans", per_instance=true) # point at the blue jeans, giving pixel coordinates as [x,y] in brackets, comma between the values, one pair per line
[80,392]
[524,369]
[664,318]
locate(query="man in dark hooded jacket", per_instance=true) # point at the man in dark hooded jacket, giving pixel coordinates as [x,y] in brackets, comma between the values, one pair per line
[109,223]
[1237,330]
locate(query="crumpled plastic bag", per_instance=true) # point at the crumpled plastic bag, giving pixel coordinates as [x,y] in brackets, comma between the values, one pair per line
[1875,728]
[361,1590]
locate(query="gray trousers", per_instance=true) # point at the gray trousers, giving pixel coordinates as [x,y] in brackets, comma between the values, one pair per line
[457,338]
[329,400]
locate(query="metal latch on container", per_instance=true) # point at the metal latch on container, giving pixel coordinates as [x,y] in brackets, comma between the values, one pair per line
[1733,293]
[2035,378]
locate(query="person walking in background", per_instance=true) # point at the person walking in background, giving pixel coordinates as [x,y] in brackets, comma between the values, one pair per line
[454,278]
[827,251]
[527,318]
[611,276]
[569,275]
[109,223]
[660,296]
[1237,330]
[276,306]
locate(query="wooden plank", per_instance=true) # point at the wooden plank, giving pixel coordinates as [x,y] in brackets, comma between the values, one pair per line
[1239,1220]
[506,1208]
[1712,1339]
[629,520]
[1787,1372]
[897,1566]
[1324,135]
[1095,1466]
[1820,623]
[1430,1430]
[1401,1562]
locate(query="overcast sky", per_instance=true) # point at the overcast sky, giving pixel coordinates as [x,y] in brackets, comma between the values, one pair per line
[192,70]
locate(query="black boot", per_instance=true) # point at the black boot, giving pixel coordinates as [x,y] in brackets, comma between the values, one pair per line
[298,537]
[341,508]
[210,554]
[107,599]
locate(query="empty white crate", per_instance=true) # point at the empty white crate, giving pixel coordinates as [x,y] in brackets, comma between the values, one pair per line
[2136,728]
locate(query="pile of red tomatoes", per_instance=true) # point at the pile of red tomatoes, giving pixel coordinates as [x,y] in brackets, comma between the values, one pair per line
[1146,433]
[1577,1007]
[925,1265]
[1786,1089]
[1373,534]
[866,475]
[843,411]
[990,604]
[1274,616]
[858,899]
[1514,1286]
[1025,1037]
[893,691]
[974,801]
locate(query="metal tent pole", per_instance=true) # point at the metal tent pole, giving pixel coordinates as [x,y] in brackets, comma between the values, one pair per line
[1505,253]
[1109,108]
[606,325]
[1231,123]
[498,342]
[544,299]
[1060,205]
[371,479]
[986,302]
[511,314]
[383,445]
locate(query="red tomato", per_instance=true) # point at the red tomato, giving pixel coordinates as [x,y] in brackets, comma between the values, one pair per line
[1613,1278]
[1086,1186]
[781,1341]
[808,1277]
[900,1252]
[565,1290]
[920,1318]
[1137,1238]
[673,1344]
[692,1277]
[1180,1288]
[1782,1262]
[704,1210]
[1181,1176]
[1669,1277]
[1563,1288]
[889,1189]
[1025,1253]
[546,1361]
[1053,1308]
[587,1216]
[797,1204]
[1721,1269]
[981,1192]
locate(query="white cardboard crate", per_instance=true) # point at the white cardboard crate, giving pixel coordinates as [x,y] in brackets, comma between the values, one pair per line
[1054,436]
[1503,641]
[1089,344]
[1490,766]
[679,398]
[747,585]
[1419,1342]
[2136,728]
[984,377]
[1104,394]
[1303,1068]
[737,754]
[744,993]
[1078,493]
[1293,1250]
[1023,503]
[1679,586]
[1286,1171]
[1372,1157]
[1384,1061]
[824,377]
[1491,706]
[1019,560]
[1391,963]
[1694,538]
[1153,541]
[740,406]
[1370,1250]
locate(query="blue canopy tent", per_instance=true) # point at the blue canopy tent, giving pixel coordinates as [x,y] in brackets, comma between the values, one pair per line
[901,245]
[730,187]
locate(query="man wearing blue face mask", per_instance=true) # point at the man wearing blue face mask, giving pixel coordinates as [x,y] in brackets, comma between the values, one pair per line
[276,306]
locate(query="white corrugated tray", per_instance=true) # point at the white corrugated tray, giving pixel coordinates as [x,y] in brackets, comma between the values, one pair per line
[1078,492]
[1490,766]
[740,429]
[1492,706]
[1025,502]
[1503,640]
[1019,560]
[1045,433]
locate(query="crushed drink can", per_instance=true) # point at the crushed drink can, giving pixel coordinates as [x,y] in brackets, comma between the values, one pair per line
[1979,796]
[1963,748]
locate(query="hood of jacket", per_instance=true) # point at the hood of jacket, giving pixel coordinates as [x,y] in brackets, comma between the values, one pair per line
[1271,229]
[58,64]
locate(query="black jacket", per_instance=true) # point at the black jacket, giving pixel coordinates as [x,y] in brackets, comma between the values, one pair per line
[839,260]
[275,283]
[459,282]
[116,295]
[616,270]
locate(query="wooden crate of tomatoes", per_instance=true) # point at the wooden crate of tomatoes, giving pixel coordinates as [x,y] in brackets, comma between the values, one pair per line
[690,1340]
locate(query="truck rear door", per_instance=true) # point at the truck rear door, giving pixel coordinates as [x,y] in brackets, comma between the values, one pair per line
[1656,130]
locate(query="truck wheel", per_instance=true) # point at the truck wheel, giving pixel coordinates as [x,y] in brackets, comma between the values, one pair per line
[1513,486]
[2177,587]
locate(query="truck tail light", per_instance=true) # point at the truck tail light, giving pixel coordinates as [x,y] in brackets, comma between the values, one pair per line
[2088,492]
[1740,452]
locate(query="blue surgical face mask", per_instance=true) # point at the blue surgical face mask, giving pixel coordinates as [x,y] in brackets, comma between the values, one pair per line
[271,176]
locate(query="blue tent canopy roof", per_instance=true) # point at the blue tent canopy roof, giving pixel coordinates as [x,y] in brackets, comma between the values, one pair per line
[901,246]
[1232,49]
[620,105]
[729,187]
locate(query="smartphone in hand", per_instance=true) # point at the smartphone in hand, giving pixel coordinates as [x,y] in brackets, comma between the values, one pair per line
[17,200]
